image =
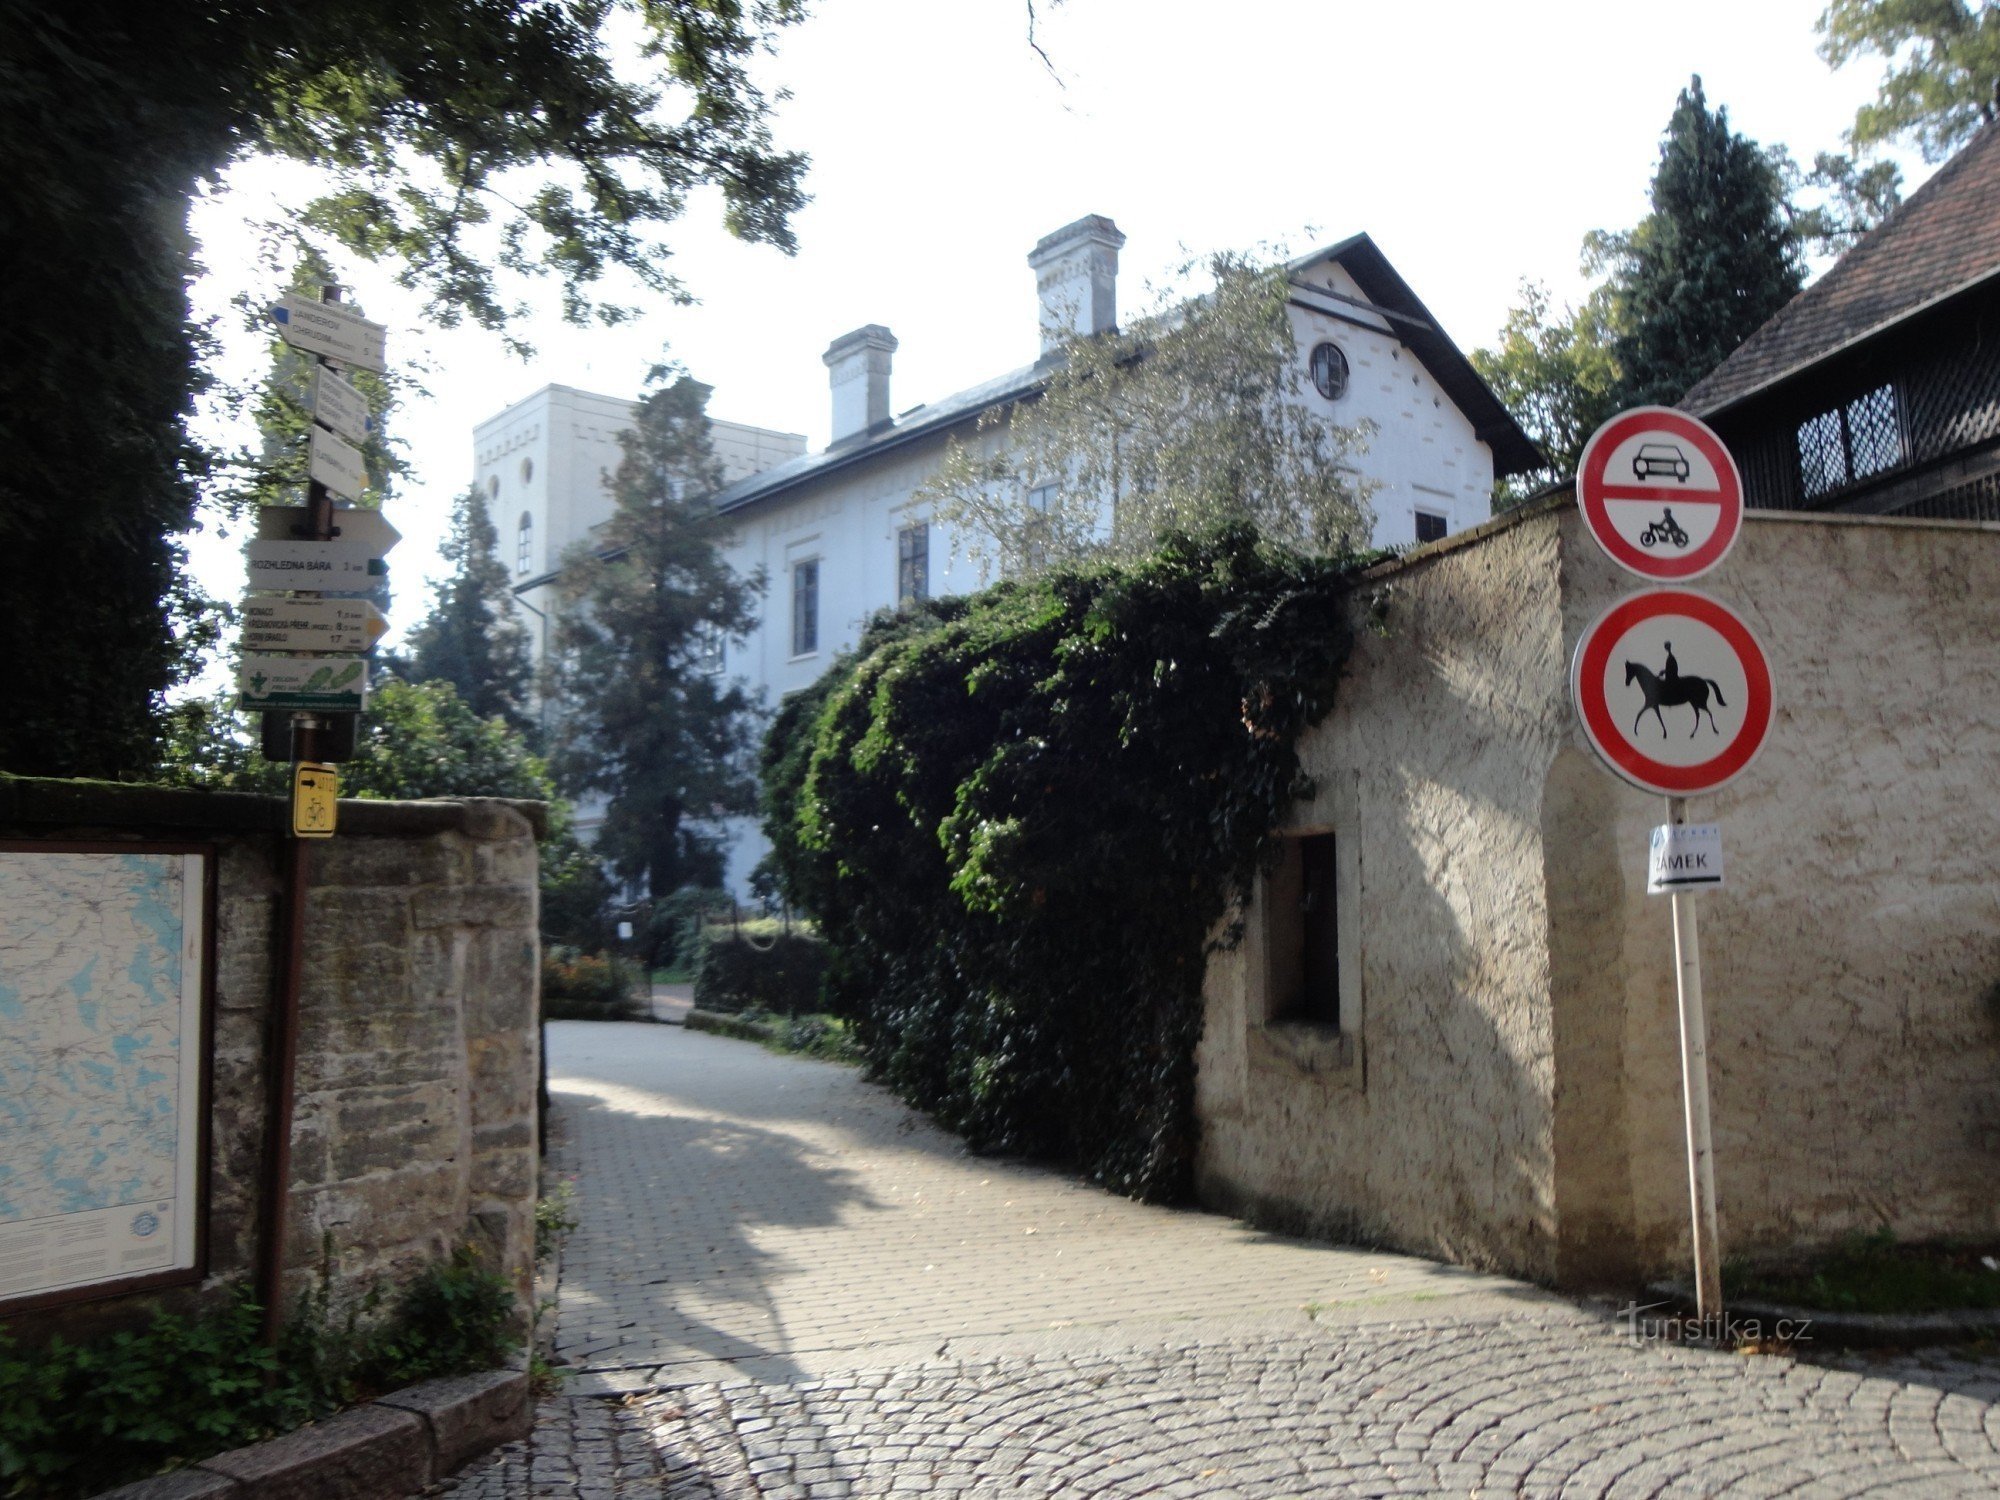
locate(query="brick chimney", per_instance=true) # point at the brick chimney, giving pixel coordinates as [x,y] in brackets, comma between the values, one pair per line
[1076,279]
[858,369]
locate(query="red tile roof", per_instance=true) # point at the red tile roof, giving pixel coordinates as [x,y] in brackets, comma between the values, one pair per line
[1943,239]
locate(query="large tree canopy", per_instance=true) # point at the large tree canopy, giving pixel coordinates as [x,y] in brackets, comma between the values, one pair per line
[1943,77]
[1556,373]
[457,138]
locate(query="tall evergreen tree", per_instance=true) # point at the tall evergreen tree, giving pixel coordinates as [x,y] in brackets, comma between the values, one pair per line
[645,717]
[472,637]
[1716,257]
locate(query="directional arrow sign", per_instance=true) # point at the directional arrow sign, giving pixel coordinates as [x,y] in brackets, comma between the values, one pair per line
[1673,690]
[338,405]
[308,684]
[330,329]
[318,567]
[366,528]
[274,624]
[337,465]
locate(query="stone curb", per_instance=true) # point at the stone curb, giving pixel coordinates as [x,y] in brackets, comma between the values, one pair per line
[390,1447]
[1851,1329]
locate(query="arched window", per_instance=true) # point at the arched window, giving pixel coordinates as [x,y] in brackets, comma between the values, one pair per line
[524,542]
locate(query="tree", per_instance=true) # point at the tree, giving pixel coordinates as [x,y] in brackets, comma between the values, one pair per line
[1193,416]
[1943,78]
[1716,257]
[646,719]
[472,638]
[456,138]
[1557,376]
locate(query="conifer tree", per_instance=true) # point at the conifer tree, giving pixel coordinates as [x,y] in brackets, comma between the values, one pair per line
[646,717]
[472,638]
[1716,257]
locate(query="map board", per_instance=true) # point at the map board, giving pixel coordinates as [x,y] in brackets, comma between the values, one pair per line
[103,963]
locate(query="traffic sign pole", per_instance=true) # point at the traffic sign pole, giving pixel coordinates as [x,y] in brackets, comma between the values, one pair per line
[1694,1095]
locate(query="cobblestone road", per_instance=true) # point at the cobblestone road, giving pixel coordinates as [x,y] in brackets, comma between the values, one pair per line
[786,1284]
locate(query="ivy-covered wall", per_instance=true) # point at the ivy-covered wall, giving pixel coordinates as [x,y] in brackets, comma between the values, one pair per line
[1019,818]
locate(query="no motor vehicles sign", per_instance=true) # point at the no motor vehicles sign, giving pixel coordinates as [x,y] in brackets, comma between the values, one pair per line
[1660,493]
[1673,690]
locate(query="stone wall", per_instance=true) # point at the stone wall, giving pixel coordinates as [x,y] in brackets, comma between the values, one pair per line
[1504,1090]
[418,1055]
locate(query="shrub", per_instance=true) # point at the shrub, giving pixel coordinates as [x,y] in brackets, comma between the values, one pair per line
[1019,817]
[760,965]
[589,987]
[78,1418]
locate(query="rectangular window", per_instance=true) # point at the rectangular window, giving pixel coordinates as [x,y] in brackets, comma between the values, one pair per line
[1430,527]
[1850,443]
[805,608]
[709,650]
[1036,550]
[1302,942]
[913,565]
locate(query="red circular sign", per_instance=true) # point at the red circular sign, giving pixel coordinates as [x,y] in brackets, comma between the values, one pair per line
[1673,690]
[1636,469]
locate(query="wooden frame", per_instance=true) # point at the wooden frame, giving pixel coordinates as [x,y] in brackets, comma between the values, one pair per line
[209,854]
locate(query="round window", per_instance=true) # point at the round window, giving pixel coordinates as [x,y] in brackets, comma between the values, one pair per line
[1329,371]
[528,464]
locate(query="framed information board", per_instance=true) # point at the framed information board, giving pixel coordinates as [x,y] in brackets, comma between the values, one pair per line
[105,962]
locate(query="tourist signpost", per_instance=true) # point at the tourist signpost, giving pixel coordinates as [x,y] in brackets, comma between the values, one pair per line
[303,669]
[1674,693]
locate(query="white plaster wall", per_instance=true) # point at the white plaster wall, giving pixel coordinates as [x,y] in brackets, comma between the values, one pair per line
[1424,454]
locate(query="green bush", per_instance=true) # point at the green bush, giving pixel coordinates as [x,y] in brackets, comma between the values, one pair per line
[590,987]
[76,1418]
[1018,818]
[759,965]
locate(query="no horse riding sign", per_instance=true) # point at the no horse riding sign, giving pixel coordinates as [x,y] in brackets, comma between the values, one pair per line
[1673,690]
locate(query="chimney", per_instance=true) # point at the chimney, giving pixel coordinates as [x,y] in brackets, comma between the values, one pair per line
[858,369]
[1076,278]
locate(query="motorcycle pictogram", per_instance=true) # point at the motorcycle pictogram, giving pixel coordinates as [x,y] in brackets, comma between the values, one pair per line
[1666,529]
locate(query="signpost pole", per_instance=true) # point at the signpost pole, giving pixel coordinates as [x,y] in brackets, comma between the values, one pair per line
[1694,1090]
[308,731]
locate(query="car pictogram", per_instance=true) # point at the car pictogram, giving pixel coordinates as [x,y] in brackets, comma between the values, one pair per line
[1660,458]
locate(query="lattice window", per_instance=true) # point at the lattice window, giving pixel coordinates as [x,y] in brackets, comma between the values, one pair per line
[913,564]
[1874,433]
[1851,442]
[1953,398]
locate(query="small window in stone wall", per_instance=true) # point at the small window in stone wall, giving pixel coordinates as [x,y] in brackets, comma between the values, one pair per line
[1301,938]
[524,543]
[1851,443]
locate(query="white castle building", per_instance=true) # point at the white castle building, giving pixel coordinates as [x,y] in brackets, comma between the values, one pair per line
[836,532]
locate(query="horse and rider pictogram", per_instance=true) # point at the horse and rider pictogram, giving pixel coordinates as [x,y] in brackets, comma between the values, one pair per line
[1668,689]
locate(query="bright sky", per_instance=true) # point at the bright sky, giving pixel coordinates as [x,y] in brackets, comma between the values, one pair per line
[1476,142]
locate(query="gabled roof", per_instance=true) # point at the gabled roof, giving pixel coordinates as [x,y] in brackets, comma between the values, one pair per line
[1944,240]
[1389,298]
[1514,452]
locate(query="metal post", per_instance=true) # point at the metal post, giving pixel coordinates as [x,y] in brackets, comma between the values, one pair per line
[1694,1091]
[308,732]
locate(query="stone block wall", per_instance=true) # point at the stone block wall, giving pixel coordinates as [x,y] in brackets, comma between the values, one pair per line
[1505,1087]
[418,1051]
